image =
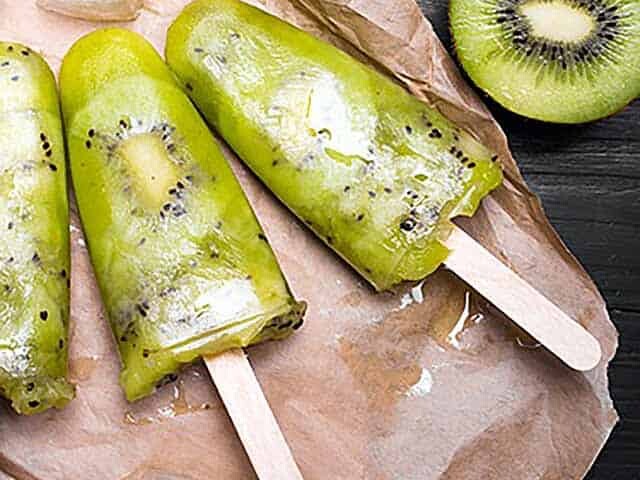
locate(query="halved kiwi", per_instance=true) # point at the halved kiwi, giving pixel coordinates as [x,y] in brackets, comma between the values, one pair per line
[562,61]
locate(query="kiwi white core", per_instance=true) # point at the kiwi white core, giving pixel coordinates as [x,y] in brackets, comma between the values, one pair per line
[152,170]
[558,20]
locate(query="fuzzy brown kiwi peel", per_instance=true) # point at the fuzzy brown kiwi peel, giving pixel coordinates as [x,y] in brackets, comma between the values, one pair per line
[563,61]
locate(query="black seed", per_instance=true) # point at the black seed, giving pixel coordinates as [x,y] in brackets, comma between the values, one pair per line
[35,258]
[88,143]
[387,190]
[45,145]
[7,288]
[360,217]
[459,154]
[274,163]
[372,194]
[48,153]
[347,188]
[44,315]
[166,207]
[15,78]
[123,338]
[261,236]
[464,159]
[91,132]
[52,167]
[189,87]
[180,185]
[298,325]
[408,224]
[221,58]
[408,129]
[25,53]
[43,137]
[145,353]
[494,158]
[4,64]
[142,241]
[141,310]
[501,20]
[34,403]
[234,36]
[30,386]
[10,226]
[172,191]
[198,50]
[472,165]
[63,273]
[10,48]
[61,344]
[123,124]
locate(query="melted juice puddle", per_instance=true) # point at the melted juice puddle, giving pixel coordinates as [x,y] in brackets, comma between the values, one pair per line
[455,309]
[177,407]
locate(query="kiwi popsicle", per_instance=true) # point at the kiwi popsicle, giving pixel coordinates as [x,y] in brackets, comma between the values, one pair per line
[34,236]
[183,266]
[373,171]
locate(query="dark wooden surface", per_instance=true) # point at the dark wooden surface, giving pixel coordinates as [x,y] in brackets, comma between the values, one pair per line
[588,177]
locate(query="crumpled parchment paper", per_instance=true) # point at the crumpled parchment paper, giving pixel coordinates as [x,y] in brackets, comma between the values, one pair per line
[426,383]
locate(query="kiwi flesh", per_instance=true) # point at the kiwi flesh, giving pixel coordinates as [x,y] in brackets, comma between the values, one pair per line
[561,61]
[34,236]
[183,266]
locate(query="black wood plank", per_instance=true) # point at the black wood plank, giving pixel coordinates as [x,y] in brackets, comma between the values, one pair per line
[588,177]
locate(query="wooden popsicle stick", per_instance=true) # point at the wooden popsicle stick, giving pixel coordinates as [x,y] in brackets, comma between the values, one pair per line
[522,303]
[252,417]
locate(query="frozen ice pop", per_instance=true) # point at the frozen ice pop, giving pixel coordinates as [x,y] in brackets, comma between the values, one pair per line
[34,235]
[376,173]
[373,171]
[183,266]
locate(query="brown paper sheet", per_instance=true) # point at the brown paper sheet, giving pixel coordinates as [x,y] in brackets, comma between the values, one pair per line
[426,383]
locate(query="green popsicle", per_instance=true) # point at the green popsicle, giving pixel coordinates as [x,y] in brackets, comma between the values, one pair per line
[34,235]
[183,266]
[376,173]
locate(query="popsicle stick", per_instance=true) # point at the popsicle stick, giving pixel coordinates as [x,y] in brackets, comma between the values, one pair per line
[522,303]
[252,417]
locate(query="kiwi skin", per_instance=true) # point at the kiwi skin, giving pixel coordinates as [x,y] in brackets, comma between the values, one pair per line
[588,93]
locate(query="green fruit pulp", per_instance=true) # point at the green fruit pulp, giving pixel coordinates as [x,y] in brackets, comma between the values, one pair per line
[34,234]
[572,68]
[374,172]
[183,266]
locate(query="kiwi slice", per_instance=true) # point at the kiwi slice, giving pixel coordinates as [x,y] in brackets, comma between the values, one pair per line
[182,263]
[562,61]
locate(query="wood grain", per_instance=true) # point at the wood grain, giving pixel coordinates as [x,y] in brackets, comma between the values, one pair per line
[252,417]
[588,177]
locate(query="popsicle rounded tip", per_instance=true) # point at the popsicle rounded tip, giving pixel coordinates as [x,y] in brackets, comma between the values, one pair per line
[587,356]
